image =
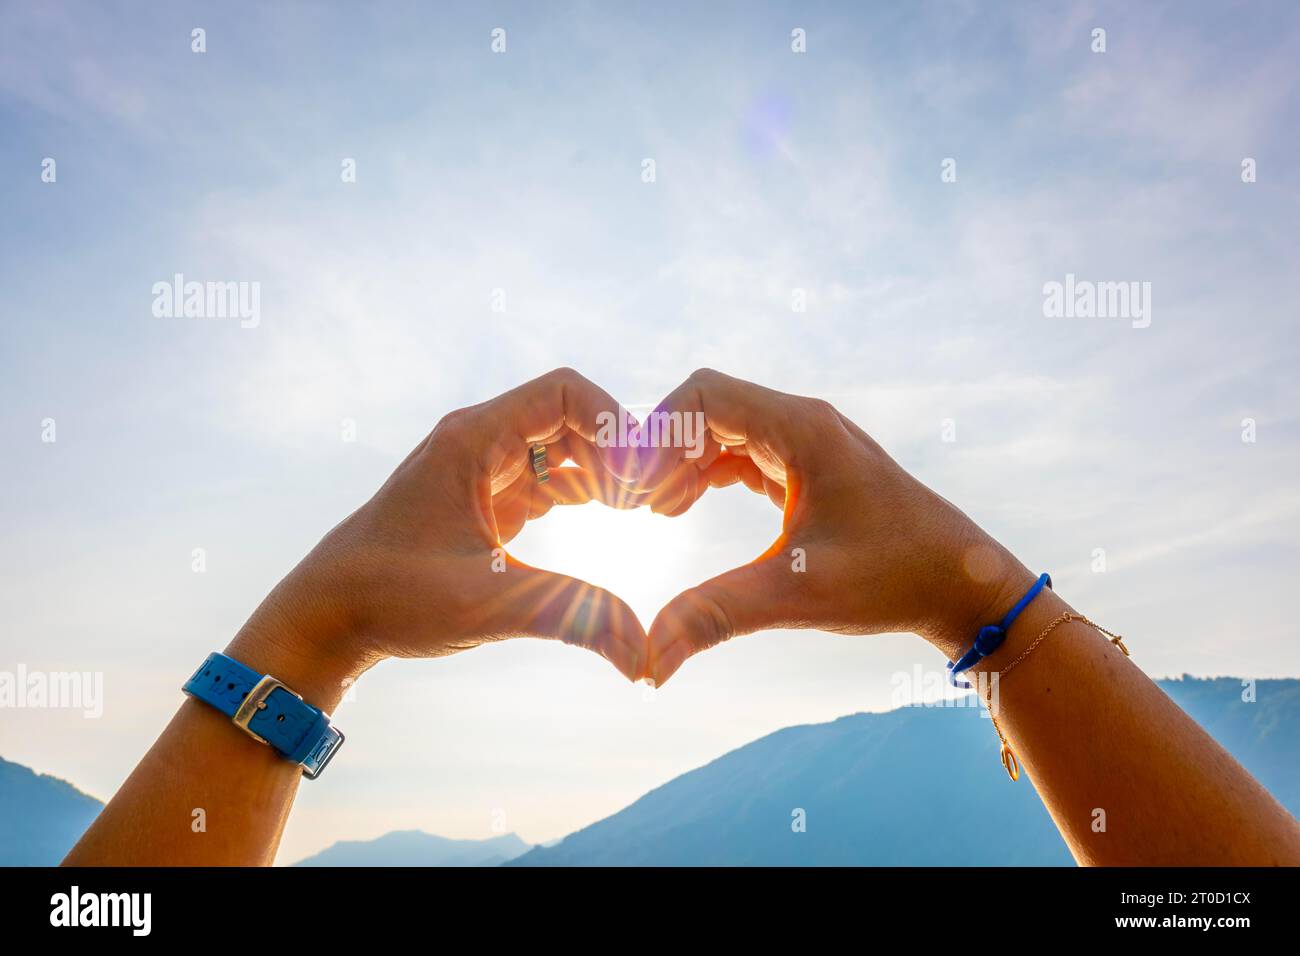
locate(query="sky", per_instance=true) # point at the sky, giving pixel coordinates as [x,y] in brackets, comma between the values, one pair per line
[777,173]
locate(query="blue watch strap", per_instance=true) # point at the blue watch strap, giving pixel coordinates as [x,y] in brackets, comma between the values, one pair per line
[268,711]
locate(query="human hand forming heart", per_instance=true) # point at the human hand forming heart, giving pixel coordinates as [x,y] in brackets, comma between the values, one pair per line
[421,571]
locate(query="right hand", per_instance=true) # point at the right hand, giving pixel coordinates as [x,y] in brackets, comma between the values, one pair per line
[882,552]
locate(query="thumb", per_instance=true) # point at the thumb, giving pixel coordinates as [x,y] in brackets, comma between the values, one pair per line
[531,602]
[753,597]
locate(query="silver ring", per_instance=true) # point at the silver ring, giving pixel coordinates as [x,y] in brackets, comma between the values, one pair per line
[538,456]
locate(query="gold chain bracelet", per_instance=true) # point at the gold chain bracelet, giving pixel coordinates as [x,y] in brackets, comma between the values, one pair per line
[1009,761]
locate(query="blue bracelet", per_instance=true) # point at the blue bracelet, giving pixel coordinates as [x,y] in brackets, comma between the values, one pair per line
[991,636]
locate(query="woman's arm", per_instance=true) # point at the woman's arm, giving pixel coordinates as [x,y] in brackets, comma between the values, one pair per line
[1096,734]
[415,572]
[883,553]
[202,762]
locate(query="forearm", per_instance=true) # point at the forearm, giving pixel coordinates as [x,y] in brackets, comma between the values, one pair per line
[1127,776]
[204,768]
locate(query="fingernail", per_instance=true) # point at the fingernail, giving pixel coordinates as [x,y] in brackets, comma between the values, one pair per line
[649,682]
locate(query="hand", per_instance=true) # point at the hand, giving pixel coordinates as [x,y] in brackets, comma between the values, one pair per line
[419,570]
[882,552]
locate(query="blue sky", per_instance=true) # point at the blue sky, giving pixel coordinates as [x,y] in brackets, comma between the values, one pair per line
[522,171]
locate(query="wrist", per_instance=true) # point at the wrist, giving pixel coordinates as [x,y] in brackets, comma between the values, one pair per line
[307,650]
[986,581]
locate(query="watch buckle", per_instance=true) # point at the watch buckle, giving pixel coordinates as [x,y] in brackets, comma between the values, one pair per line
[255,702]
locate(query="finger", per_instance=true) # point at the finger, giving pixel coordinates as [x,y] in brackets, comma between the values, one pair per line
[512,506]
[531,602]
[695,487]
[604,486]
[565,486]
[727,470]
[544,408]
[750,475]
[670,493]
[776,492]
[754,597]
[754,480]
[527,499]
[734,411]
[708,453]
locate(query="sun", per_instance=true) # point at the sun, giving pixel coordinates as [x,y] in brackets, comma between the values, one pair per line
[642,557]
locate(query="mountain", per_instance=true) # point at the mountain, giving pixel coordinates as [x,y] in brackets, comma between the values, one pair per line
[874,789]
[40,816]
[417,848]
[895,789]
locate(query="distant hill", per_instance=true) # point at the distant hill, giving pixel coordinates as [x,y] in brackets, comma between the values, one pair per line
[876,789]
[41,817]
[417,848]
[894,788]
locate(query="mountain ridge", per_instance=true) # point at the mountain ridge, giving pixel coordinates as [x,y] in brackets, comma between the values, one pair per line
[882,788]
[419,848]
[41,816]
[876,802]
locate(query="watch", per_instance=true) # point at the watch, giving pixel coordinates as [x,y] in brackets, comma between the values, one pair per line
[267,711]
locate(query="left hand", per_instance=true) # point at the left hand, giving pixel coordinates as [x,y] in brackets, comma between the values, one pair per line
[420,571]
